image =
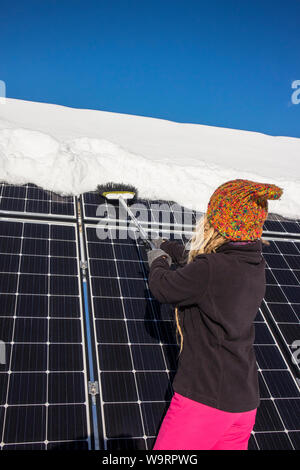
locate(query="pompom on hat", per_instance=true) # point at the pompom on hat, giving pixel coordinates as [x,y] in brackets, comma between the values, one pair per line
[238,209]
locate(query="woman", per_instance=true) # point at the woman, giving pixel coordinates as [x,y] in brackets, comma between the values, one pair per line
[217,294]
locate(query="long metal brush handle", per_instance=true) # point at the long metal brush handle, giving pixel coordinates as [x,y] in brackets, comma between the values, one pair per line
[143,232]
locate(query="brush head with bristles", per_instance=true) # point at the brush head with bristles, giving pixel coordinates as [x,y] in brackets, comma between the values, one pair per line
[115,190]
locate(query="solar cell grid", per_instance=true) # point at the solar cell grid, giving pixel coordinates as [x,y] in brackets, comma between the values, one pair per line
[44,383]
[274,429]
[29,199]
[283,290]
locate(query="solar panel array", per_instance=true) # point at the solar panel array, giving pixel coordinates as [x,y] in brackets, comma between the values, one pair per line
[59,334]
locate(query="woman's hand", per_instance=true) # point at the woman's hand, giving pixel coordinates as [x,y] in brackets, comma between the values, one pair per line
[153,254]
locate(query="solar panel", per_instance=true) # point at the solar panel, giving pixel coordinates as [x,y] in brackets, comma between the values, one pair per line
[282,299]
[30,199]
[277,426]
[43,381]
[149,213]
[281,225]
[137,355]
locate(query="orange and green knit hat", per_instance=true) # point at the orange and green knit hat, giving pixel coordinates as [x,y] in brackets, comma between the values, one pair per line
[238,209]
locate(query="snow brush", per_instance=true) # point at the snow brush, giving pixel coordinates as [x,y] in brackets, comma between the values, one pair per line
[123,192]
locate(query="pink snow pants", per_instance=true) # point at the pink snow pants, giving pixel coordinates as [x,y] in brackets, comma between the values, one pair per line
[189,425]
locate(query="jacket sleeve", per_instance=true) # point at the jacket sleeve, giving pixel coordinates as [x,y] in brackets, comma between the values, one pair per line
[175,249]
[181,287]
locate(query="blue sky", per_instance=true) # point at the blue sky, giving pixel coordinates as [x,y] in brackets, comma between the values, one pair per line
[222,63]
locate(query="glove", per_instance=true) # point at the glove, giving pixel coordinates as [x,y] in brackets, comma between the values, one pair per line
[153,254]
[158,241]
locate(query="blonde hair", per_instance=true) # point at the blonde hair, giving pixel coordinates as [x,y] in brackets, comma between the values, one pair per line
[205,239]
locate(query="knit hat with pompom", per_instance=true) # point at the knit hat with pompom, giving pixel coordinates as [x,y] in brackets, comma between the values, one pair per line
[238,209]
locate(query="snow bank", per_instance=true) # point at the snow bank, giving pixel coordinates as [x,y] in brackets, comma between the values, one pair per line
[70,151]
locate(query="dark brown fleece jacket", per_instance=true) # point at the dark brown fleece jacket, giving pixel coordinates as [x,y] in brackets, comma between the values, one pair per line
[218,296]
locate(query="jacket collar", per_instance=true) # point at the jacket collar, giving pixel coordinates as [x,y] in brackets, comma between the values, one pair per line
[255,246]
